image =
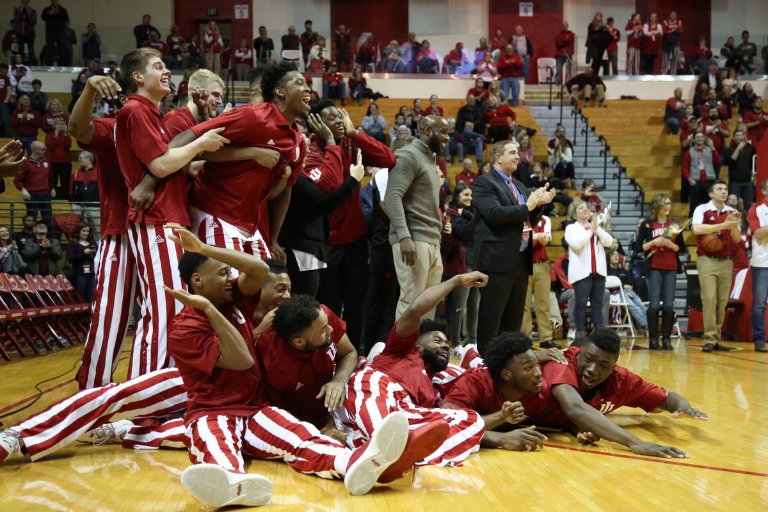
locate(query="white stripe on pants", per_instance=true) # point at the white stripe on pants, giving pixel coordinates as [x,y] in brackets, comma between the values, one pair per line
[113,298]
[156,394]
[214,231]
[157,260]
[271,433]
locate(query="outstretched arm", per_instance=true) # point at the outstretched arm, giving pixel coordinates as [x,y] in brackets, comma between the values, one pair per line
[679,406]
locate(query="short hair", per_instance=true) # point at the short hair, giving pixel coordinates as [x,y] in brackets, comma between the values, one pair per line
[37,82]
[504,347]
[295,315]
[276,266]
[572,208]
[587,183]
[307,21]
[89,156]
[202,78]
[273,76]
[718,181]
[609,20]
[428,325]
[745,32]
[254,77]
[136,61]
[188,265]
[318,107]
[498,149]
[606,340]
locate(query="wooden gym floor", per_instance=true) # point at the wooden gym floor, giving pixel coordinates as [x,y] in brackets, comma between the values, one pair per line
[727,470]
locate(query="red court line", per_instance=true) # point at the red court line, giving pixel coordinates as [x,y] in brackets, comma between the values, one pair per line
[744,359]
[32,397]
[659,461]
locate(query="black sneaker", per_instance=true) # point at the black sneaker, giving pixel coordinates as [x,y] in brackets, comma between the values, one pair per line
[549,344]
[760,347]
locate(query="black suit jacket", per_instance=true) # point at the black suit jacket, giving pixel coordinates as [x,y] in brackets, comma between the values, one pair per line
[499,229]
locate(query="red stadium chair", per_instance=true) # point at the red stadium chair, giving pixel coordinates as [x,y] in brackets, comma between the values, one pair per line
[16,318]
[62,313]
[42,316]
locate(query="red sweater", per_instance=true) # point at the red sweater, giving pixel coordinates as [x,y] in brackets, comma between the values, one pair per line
[499,116]
[510,65]
[58,147]
[26,124]
[37,178]
[564,42]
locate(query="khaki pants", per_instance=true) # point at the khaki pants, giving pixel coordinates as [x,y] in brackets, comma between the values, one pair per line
[715,276]
[427,271]
[538,286]
[597,94]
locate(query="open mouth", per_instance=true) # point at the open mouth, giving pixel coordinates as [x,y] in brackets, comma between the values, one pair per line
[588,383]
[305,101]
[444,354]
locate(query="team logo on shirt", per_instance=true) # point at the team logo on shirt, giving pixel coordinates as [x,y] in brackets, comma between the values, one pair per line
[315,174]
[237,315]
[113,258]
[214,224]
[299,385]
[159,239]
[606,407]
[298,153]
[271,142]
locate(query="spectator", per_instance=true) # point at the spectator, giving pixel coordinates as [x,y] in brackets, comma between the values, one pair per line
[564,46]
[374,123]
[433,109]
[731,55]
[465,176]
[674,111]
[561,160]
[471,112]
[634,30]
[587,265]
[6,93]
[58,143]
[756,121]
[703,57]
[78,84]
[539,285]
[81,251]
[458,251]
[738,157]
[494,89]
[307,41]
[456,59]
[54,112]
[358,88]
[671,57]
[113,72]
[318,56]
[587,86]
[427,59]
[333,84]
[403,134]
[36,183]
[747,51]
[11,261]
[227,62]
[716,130]
[454,145]
[479,91]
[342,39]
[393,61]
[510,67]
[746,99]
[244,59]
[758,225]
[212,46]
[591,31]
[523,48]
[498,43]
[367,52]
[699,169]
[726,104]
[91,41]
[399,122]
[541,177]
[409,51]
[263,47]
[25,123]
[652,32]
[593,200]
[711,78]
[155,42]
[637,309]
[486,69]
[141,32]
[290,41]
[42,254]
[55,18]
[22,75]
[732,80]
[23,23]
[38,100]
[613,48]
[27,231]
[500,120]
[175,41]
[480,50]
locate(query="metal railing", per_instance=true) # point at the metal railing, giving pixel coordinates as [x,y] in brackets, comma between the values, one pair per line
[12,214]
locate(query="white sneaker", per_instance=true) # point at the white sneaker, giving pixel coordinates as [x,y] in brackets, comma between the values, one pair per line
[458,352]
[108,433]
[383,449]
[218,487]
[572,333]
[10,445]
[376,349]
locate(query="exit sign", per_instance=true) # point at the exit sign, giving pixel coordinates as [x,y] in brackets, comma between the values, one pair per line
[212,11]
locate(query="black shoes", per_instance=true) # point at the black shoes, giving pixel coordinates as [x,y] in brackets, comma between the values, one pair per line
[549,344]
[666,343]
[761,348]
[653,344]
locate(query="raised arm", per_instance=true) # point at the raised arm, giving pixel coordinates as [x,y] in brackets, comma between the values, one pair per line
[80,125]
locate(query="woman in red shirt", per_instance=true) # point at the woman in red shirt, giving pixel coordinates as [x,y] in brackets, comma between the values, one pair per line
[25,122]
[652,33]
[433,108]
[58,143]
[500,119]
[662,263]
[54,112]
[479,91]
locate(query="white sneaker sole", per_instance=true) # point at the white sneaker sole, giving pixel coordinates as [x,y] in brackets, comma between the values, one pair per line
[216,486]
[383,450]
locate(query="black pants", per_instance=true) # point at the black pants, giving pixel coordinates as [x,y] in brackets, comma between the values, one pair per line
[381,297]
[698,194]
[61,174]
[565,170]
[647,63]
[502,304]
[343,284]
[498,133]
[302,283]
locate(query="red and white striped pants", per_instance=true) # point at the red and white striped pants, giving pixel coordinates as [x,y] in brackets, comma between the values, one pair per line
[114,294]
[271,433]
[633,61]
[153,395]
[372,395]
[157,261]
[214,231]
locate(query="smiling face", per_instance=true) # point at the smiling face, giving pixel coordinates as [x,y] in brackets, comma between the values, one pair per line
[5,233]
[582,213]
[156,78]
[275,290]
[435,350]
[85,233]
[594,365]
[296,94]
[333,120]
[523,372]
[465,198]
[479,84]
[507,160]
[213,280]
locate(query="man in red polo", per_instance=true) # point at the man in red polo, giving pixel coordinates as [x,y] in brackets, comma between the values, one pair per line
[715,266]
[466,175]
[142,148]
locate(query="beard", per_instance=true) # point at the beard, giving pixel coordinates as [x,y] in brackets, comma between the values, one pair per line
[435,363]
[435,144]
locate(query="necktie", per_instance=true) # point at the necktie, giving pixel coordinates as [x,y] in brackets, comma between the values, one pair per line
[519,199]
[593,246]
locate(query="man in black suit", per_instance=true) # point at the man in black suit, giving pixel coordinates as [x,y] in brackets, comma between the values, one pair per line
[503,242]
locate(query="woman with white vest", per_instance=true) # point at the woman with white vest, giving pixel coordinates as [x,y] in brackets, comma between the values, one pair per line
[587,266]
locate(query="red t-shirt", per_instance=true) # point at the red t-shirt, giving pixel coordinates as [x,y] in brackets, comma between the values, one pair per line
[292,379]
[755,134]
[141,137]
[540,250]
[482,93]
[194,345]
[328,167]
[479,391]
[401,361]
[159,46]
[234,191]
[621,388]
[179,120]
[663,258]
[113,194]
[499,116]
[437,111]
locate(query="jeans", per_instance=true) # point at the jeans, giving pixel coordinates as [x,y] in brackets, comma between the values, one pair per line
[84,286]
[454,148]
[5,120]
[745,191]
[562,61]
[336,91]
[513,83]
[473,143]
[394,66]
[526,64]
[464,299]
[661,288]
[357,93]
[674,125]
[759,296]
[26,143]
[592,289]
[636,308]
